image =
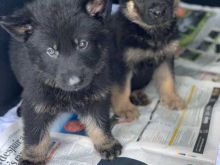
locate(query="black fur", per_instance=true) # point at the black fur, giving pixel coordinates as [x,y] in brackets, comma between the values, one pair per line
[57,71]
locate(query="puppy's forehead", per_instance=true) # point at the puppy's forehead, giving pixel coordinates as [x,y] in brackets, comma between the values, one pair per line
[80,26]
[132,4]
[146,1]
[53,11]
[62,19]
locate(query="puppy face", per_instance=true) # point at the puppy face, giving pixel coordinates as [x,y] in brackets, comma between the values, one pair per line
[149,13]
[63,40]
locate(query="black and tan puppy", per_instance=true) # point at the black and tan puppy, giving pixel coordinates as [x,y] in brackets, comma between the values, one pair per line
[145,32]
[60,54]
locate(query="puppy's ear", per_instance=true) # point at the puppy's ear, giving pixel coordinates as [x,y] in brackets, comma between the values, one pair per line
[99,8]
[17,26]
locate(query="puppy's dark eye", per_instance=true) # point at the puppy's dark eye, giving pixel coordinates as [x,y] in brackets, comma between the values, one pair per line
[52,51]
[82,44]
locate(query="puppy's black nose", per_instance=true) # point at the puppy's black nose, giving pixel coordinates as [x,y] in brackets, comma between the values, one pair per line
[157,11]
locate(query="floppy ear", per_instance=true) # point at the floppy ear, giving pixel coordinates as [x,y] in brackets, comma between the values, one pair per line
[18,27]
[99,8]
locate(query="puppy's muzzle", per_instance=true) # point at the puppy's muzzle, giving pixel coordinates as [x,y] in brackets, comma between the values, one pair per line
[159,12]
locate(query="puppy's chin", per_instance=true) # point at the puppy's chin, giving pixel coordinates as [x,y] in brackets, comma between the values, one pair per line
[154,23]
[75,88]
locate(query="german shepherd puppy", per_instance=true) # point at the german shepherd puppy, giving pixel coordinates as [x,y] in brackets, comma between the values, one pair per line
[60,55]
[146,38]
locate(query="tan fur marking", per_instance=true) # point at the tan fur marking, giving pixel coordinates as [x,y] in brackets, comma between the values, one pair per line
[41,108]
[131,13]
[37,153]
[94,132]
[99,138]
[50,83]
[121,103]
[176,3]
[95,6]
[166,85]
[23,29]
[133,56]
[165,80]
[98,95]
[131,10]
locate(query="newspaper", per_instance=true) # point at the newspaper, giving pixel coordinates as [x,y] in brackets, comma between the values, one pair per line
[63,149]
[159,136]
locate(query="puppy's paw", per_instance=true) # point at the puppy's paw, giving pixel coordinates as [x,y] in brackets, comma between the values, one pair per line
[139,98]
[110,150]
[174,102]
[128,113]
[27,162]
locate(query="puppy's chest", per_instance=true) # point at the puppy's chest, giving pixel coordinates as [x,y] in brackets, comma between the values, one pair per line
[150,50]
[66,99]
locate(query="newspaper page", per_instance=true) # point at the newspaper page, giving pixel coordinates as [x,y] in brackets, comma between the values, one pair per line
[63,148]
[159,136]
[178,137]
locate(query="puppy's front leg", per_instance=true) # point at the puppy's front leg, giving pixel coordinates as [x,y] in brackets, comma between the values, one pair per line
[165,82]
[36,121]
[97,122]
[121,103]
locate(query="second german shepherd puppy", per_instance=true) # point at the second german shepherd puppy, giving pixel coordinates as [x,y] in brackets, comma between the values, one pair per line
[145,32]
